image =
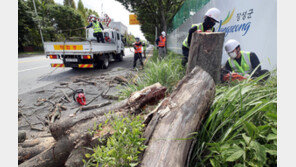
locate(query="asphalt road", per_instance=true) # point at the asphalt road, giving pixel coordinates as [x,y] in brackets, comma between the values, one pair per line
[35,72]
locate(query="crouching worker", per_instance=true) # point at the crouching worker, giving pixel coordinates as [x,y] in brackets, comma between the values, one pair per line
[138,52]
[97,26]
[242,63]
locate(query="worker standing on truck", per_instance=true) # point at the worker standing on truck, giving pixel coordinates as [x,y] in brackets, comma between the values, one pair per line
[210,19]
[98,28]
[161,43]
[144,50]
[242,62]
[138,52]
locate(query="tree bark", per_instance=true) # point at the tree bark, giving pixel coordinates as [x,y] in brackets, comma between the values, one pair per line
[32,148]
[78,153]
[176,118]
[206,52]
[21,137]
[72,134]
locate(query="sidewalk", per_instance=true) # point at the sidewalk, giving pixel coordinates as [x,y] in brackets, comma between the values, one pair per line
[30,54]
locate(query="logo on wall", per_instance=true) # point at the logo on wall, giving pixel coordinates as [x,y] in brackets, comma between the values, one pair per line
[239,27]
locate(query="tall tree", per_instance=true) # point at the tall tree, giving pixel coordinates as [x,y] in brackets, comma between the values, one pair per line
[70,3]
[80,7]
[153,13]
[25,24]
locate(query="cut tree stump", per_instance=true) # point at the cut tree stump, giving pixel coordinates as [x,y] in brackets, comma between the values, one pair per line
[175,119]
[206,52]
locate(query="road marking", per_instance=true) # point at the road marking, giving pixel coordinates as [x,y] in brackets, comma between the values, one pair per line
[27,61]
[33,68]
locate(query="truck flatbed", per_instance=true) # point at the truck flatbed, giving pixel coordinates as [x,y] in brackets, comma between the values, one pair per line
[78,48]
[87,53]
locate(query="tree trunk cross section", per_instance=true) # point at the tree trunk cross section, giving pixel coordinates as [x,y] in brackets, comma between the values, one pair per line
[206,52]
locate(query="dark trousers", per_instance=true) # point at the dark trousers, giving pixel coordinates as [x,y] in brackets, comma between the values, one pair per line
[185,52]
[136,57]
[144,53]
[258,73]
[99,36]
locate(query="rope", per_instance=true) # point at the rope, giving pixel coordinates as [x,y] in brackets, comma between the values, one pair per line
[71,29]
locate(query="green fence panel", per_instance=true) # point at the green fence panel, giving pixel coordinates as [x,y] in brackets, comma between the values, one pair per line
[188,9]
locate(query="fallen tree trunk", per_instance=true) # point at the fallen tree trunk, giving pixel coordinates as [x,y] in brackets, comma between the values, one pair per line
[176,118]
[32,148]
[206,52]
[55,155]
[21,137]
[72,134]
[78,153]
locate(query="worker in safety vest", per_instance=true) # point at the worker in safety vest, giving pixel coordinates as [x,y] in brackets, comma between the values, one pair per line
[144,50]
[242,62]
[138,52]
[160,42]
[98,28]
[210,19]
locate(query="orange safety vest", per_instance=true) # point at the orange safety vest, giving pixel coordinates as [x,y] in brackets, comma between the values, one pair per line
[161,42]
[138,48]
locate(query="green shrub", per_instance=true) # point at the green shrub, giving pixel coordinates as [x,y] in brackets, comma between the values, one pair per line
[167,72]
[122,148]
[241,128]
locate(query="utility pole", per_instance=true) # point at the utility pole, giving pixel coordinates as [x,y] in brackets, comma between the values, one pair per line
[155,35]
[38,23]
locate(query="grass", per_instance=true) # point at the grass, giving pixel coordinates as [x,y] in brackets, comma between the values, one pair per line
[167,72]
[240,128]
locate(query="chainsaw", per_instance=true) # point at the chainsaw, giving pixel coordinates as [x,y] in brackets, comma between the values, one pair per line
[79,97]
[233,76]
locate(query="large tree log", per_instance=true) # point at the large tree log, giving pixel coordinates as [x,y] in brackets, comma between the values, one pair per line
[206,52]
[137,100]
[56,155]
[32,148]
[72,134]
[78,153]
[176,118]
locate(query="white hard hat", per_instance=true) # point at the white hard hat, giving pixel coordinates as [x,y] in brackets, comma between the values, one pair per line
[163,33]
[230,45]
[213,13]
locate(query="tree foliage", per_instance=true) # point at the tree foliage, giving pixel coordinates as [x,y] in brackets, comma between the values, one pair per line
[55,21]
[25,24]
[153,13]
[81,9]
[70,3]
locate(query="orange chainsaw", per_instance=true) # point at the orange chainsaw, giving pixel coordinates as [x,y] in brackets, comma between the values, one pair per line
[233,77]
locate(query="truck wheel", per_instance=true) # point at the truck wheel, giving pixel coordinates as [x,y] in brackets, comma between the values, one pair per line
[120,56]
[105,63]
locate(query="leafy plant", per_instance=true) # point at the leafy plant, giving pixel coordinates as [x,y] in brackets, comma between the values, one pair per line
[167,72]
[122,147]
[240,129]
